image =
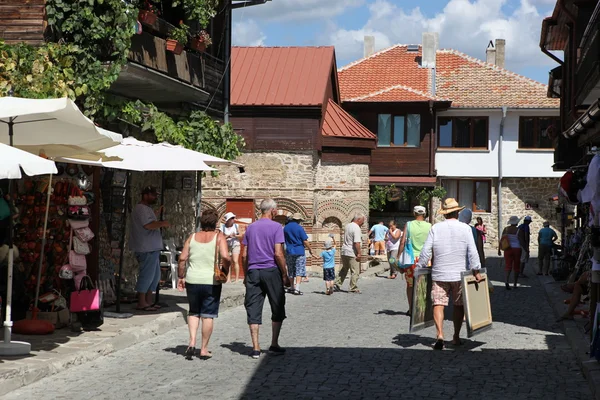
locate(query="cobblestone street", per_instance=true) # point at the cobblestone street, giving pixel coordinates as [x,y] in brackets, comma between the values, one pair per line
[345,346]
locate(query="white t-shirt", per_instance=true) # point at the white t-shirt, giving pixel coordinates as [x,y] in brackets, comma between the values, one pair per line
[393,244]
[352,234]
[233,229]
[453,245]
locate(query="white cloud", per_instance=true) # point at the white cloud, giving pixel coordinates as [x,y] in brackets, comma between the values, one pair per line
[288,10]
[463,25]
[247,33]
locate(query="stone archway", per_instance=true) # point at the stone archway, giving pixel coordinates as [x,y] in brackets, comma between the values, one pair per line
[288,207]
[333,209]
[205,205]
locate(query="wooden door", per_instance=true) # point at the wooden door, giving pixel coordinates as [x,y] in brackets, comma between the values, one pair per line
[243,209]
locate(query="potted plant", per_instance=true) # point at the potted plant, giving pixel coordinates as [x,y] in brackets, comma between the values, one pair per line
[201,41]
[178,37]
[148,13]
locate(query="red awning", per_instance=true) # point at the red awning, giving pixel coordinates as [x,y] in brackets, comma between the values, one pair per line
[403,180]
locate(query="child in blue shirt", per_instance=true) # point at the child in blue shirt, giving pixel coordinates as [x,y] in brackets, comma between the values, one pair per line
[328,256]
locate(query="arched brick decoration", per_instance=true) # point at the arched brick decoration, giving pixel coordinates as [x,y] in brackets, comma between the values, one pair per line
[357,206]
[332,223]
[289,207]
[333,209]
[205,205]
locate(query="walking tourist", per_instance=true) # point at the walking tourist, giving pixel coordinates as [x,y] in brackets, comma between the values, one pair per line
[511,243]
[351,252]
[231,230]
[379,231]
[296,242]
[392,244]
[418,231]
[466,216]
[451,246]
[328,256]
[145,240]
[263,260]
[546,238]
[525,232]
[480,226]
[201,253]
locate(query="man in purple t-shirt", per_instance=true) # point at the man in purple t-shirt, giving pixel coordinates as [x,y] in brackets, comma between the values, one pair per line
[265,270]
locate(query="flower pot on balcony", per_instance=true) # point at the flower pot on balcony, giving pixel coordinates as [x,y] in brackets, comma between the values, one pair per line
[147,17]
[198,45]
[174,46]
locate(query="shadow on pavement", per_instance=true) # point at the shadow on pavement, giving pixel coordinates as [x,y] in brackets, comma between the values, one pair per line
[416,373]
[391,312]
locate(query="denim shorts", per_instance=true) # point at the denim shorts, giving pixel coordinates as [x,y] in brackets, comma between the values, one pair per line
[296,265]
[149,271]
[203,300]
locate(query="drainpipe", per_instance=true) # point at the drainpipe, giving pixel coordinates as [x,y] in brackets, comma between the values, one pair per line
[499,189]
[227,54]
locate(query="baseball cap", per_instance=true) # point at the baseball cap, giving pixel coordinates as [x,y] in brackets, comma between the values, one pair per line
[527,219]
[150,190]
[328,244]
[297,217]
[420,210]
[229,215]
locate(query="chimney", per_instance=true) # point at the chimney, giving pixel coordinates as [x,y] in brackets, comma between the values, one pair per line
[431,43]
[369,43]
[490,54]
[500,52]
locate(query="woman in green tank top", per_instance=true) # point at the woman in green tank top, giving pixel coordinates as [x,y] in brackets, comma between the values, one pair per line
[201,252]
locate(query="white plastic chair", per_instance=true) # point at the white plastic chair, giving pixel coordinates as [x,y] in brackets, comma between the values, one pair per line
[170,254]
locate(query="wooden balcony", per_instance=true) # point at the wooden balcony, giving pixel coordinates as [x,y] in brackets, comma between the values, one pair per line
[587,71]
[160,76]
[22,21]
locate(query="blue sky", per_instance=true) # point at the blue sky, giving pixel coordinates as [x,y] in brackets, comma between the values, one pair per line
[464,25]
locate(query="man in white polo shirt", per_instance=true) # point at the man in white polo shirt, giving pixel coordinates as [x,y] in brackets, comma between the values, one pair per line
[453,249]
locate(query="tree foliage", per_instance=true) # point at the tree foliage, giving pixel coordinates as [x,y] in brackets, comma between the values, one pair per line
[89,41]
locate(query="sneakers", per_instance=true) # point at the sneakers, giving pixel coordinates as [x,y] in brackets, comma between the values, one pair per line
[276,350]
[255,354]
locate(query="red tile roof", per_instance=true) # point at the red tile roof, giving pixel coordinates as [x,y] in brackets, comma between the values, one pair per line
[338,123]
[397,93]
[466,81]
[280,76]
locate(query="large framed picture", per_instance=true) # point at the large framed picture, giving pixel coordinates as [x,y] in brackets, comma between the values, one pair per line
[421,316]
[476,298]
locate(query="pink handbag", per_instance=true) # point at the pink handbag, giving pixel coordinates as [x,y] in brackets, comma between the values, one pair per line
[75,260]
[81,247]
[87,299]
[84,234]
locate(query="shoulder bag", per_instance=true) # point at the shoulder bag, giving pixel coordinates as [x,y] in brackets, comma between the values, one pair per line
[220,276]
[407,259]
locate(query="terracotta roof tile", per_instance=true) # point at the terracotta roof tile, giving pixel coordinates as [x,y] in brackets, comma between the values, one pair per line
[280,76]
[396,93]
[338,123]
[466,81]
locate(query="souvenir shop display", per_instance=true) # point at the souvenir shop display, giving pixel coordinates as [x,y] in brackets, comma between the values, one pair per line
[62,263]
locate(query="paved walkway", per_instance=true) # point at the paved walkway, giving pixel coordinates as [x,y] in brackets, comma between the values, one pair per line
[344,346]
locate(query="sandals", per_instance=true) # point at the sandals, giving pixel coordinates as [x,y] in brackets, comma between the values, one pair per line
[205,356]
[189,353]
[356,291]
[439,344]
[297,292]
[392,276]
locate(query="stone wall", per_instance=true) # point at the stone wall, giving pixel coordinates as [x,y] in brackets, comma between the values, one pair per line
[516,193]
[325,194]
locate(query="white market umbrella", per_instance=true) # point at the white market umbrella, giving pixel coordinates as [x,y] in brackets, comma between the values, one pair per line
[54,126]
[12,160]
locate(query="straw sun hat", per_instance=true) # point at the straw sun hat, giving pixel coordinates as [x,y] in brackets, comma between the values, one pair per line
[450,205]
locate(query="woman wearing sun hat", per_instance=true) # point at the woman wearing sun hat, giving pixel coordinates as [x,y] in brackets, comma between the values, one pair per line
[231,231]
[511,244]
